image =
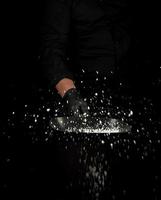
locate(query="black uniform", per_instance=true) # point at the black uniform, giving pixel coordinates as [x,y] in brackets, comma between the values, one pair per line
[93,35]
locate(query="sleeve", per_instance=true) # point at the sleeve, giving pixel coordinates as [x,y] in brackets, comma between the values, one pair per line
[54,40]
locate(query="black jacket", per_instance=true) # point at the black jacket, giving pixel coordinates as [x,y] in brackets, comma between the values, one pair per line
[83,34]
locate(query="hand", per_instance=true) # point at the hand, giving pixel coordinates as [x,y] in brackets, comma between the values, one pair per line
[74,103]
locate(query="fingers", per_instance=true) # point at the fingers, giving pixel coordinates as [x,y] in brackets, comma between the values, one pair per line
[75,110]
[80,109]
[85,109]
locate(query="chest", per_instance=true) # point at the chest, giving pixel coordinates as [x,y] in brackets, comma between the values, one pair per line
[91,10]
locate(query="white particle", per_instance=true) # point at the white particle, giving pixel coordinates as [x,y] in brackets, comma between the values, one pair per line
[85,120]
[130,113]
[48,109]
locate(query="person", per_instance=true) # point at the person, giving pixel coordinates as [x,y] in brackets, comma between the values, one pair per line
[80,40]
[82,44]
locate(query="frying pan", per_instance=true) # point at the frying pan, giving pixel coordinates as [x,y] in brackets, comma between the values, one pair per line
[89,124]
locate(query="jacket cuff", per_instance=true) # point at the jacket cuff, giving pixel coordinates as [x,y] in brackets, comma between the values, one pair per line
[53,82]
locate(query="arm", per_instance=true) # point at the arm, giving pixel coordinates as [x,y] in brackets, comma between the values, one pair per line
[55,31]
[55,40]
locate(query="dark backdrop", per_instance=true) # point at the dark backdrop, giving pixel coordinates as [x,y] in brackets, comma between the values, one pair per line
[21,79]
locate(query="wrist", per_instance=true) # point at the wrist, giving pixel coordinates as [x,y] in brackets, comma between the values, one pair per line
[64,85]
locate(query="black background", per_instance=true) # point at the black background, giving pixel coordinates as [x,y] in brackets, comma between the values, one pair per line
[20,79]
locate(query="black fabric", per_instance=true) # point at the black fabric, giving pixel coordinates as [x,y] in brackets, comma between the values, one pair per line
[83,34]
